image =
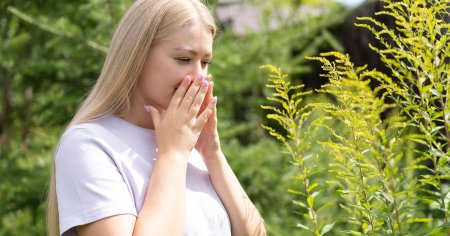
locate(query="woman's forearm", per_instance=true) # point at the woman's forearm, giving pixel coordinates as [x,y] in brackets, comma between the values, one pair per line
[245,218]
[163,211]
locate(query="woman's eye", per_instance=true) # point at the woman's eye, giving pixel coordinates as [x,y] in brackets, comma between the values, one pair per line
[184,59]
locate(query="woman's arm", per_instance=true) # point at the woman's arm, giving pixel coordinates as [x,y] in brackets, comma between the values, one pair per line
[164,206]
[163,211]
[245,218]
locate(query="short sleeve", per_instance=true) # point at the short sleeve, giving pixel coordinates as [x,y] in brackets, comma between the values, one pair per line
[89,183]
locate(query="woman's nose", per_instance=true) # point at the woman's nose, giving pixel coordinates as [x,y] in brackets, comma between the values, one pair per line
[198,69]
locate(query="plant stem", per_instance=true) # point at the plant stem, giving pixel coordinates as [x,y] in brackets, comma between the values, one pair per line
[369,217]
[447,136]
[446,129]
[391,188]
[294,137]
[313,213]
[442,197]
[361,178]
[396,211]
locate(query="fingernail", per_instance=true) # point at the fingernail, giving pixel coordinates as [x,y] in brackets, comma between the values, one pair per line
[214,100]
[200,77]
[147,109]
[204,83]
[187,78]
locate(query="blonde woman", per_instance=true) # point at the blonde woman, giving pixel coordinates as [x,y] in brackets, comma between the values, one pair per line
[142,155]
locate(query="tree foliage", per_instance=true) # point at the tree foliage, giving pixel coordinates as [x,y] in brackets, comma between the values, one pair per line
[51,52]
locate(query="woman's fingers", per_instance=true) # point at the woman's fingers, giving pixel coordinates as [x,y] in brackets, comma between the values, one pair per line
[192,99]
[198,100]
[192,93]
[180,93]
[204,116]
[210,88]
[208,97]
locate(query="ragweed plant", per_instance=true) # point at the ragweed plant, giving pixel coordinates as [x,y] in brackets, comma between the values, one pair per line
[418,54]
[392,173]
[366,151]
[289,114]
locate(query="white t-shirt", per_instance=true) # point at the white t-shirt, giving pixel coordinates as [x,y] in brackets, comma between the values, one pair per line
[103,169]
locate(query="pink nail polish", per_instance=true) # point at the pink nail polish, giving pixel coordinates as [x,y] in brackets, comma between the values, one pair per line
[187,79]
[214,100]
[204,84]
[200,77]
[147,109]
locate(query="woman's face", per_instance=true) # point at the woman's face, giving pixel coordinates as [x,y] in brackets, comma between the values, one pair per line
[188,51]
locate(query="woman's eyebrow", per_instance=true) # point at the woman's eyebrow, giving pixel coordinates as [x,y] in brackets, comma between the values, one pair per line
[193,52]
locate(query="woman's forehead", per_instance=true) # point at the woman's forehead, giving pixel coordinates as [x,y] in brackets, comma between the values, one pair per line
[191,38]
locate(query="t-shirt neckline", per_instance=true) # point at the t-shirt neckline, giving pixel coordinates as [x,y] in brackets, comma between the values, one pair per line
[132,126]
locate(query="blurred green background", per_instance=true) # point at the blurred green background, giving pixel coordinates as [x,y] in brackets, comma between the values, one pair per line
[51,53]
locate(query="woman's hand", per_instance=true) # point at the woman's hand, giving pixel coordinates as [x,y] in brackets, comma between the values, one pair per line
[178,129]
[208,143]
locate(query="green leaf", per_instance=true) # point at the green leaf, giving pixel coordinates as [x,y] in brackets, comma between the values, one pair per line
[310,201]
[417,220]
[312,186]
[327,228]
[304,227]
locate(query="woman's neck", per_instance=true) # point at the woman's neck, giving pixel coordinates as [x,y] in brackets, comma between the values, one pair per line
[137,115]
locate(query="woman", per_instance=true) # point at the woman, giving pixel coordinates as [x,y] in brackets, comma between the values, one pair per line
[142,155]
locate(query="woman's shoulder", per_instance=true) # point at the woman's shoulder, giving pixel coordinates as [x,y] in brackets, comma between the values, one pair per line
[90,130]
[89,134]
[107,127]
[87,128]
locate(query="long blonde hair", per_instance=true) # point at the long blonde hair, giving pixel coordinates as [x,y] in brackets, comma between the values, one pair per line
[144,24]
